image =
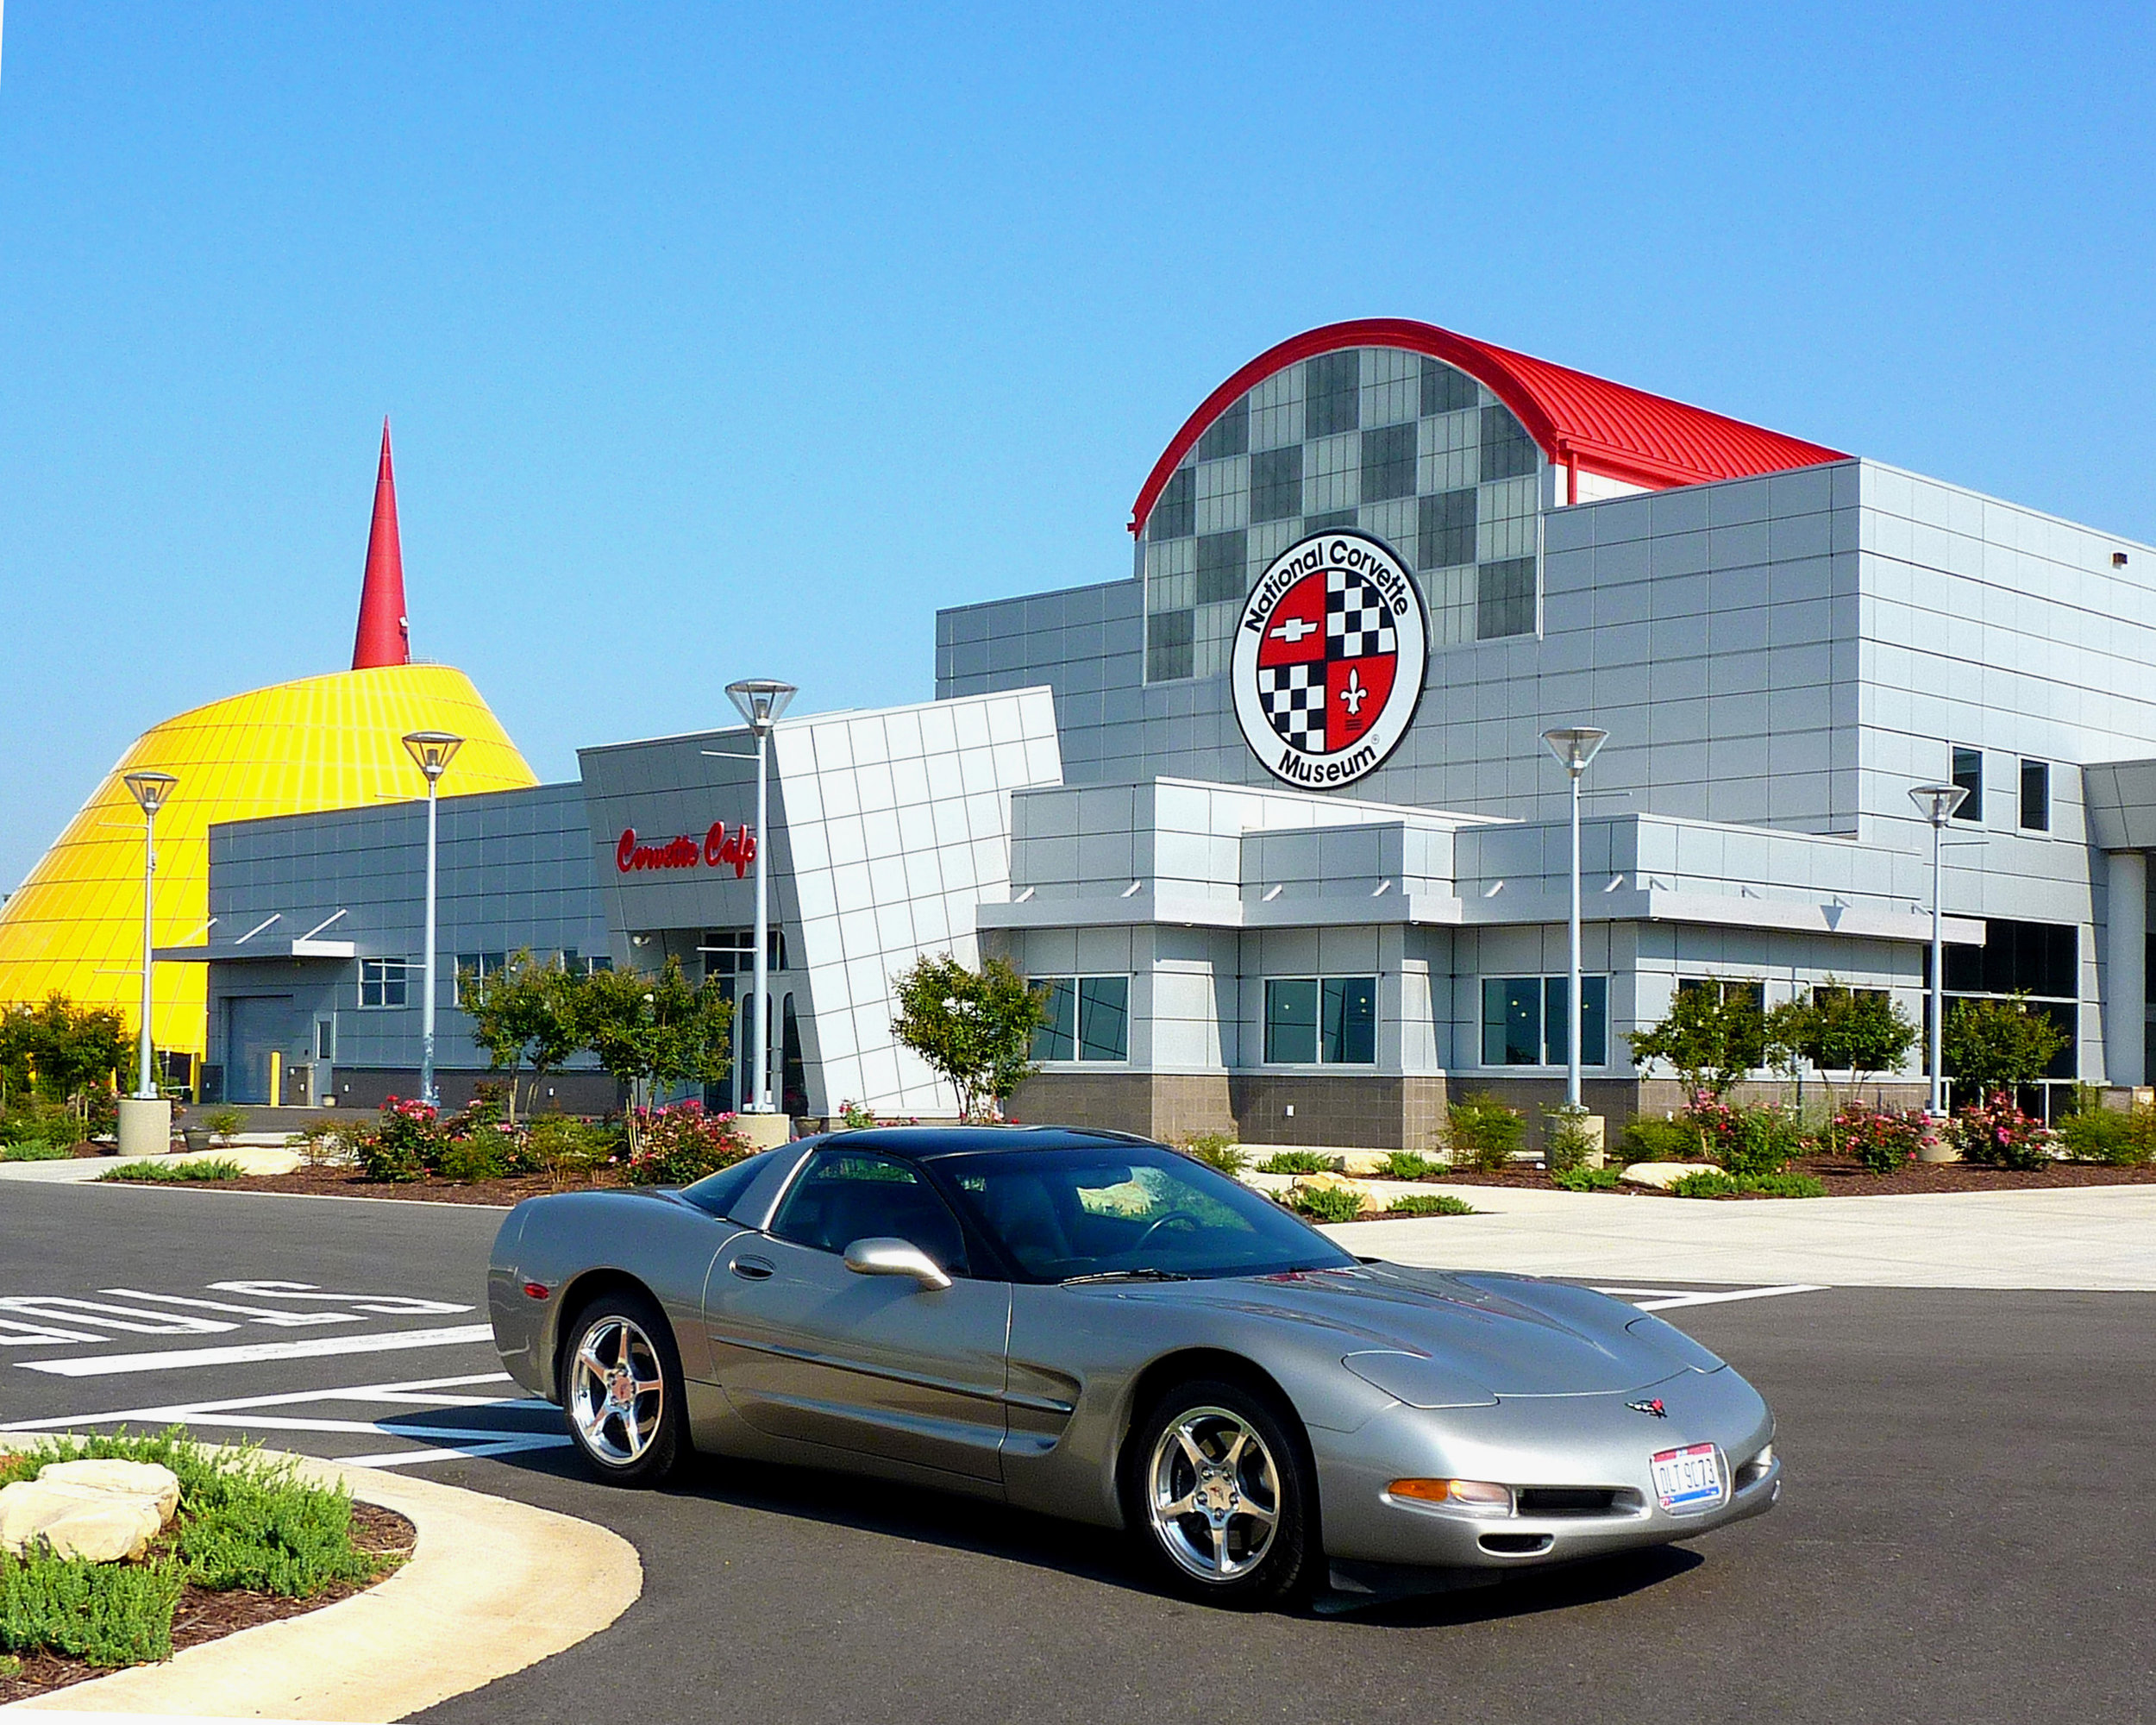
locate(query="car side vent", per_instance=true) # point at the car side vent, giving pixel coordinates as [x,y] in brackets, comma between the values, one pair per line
[1566,1500]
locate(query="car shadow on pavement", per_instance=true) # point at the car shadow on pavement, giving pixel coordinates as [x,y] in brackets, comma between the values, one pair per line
[920,1514]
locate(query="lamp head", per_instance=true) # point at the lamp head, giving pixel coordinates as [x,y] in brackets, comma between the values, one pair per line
[1937,803]
[1575,745]
[432,751]
[761,699]
[150,790]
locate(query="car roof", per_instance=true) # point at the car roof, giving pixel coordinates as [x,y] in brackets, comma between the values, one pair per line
[956,1140]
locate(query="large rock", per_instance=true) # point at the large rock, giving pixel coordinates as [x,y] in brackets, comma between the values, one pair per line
[1663,1174]
[101,1510]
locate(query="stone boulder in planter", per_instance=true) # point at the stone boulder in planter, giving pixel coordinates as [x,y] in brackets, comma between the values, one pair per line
[104,1511]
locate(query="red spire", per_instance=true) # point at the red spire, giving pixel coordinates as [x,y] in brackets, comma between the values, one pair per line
[383,637]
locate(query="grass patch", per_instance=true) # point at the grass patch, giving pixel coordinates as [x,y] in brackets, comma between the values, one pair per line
[35,1149]
[1588,1179]
[1298,1162]
[1429,1204]
[171,1173]
[1711,1182]
[243,1523]
[1326,1203]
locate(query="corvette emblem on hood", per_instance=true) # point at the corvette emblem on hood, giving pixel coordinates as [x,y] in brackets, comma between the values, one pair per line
[1654,1408]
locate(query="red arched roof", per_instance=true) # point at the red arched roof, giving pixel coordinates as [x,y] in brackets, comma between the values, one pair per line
[1585,422]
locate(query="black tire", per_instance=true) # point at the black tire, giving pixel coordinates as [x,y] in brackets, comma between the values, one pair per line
[625,1326]
[1187,1551]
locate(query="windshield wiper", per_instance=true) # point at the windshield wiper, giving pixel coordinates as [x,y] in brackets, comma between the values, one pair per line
[1126,1275]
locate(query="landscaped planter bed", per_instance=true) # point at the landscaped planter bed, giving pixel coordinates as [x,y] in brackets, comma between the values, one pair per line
[1847,1179]
[351,1182]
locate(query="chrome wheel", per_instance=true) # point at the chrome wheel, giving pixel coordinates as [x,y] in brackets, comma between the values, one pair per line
[1213,1494]
[616,1390]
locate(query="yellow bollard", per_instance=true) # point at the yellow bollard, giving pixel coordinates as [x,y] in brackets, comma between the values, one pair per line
[277,1079]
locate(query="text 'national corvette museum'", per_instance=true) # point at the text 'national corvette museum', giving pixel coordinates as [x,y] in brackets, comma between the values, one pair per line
[1273,812]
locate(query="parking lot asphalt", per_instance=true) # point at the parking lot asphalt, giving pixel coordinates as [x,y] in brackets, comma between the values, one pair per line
[1965,1532]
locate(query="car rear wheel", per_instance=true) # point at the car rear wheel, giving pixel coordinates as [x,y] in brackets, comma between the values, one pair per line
[1218,1494]
[622,1390]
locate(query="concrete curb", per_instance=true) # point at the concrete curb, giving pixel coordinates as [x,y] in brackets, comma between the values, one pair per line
[492,1587]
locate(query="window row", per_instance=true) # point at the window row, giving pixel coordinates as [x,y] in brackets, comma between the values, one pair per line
[1526,1020]
[2034,811]
[391,982]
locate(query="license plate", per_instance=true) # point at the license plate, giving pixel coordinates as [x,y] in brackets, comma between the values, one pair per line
[1690,1479]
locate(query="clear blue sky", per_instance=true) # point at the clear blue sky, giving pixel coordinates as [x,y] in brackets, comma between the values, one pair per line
[723,341]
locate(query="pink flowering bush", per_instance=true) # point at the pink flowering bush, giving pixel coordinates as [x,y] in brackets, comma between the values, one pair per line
[679,1143]
[1999,1135]
[1882,1139]
[406,1143]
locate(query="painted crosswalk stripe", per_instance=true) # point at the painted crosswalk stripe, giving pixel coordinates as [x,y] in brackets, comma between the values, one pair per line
[1665,1298]
[248,1353]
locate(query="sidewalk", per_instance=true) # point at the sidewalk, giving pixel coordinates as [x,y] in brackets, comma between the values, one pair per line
[2093,1238]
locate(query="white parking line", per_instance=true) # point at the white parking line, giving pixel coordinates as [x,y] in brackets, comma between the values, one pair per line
[248,1353]
[1663,1300]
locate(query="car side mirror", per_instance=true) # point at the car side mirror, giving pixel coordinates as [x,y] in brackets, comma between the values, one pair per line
[895,1258]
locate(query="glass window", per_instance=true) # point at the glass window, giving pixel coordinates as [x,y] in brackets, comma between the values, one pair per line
[1505,599]
[1557,1021]
[717,1193]
[1104,1018]
[1445,528]
[1057,1036]
[1507,450]
[1443,389]
[2036,796]
[1168,643]
[1175,515]
[1350,1008]
[1276,484]
[1229,435]
[1332,394]
[1059,1214]
[1512,1021]
[1969,774]
[1388,462]
[844,1195]
[1331,519]
[383,981]
[1291,1021]
[1223,563]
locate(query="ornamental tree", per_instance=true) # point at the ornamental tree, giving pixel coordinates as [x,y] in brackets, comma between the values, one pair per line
[652,1032]
[525,1014]
[65,1050]
[1995,1045]
[974,1027]
[1713,1035]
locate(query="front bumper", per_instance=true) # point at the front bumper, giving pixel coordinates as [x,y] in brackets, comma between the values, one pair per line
[1592,1442]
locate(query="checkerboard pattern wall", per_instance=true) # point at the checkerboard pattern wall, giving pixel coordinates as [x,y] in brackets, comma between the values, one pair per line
[1395,443]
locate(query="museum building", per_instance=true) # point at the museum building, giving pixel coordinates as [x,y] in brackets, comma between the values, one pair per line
[1271,815]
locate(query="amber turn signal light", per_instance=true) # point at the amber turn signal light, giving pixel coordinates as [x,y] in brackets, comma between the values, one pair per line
[1482,1494]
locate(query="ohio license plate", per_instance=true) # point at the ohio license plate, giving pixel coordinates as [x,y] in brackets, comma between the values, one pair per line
[1690,1479]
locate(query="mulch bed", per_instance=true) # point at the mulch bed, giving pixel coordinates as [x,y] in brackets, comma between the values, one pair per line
[1846,1179]
[203,1615]
[351,1182]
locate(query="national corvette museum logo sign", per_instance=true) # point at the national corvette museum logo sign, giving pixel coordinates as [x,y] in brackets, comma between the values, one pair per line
[1329,657]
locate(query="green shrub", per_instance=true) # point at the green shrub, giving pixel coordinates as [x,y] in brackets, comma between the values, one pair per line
[1764,1141]
[35,1149]
[1712,1182]
[1999,1135]
[679,1144]
[102,1614]
[1567,1143]
[1407,1164]
[1881,1139]
[477,1158]
[325,1142]
[1482,1133]
[407,1142]
[1326,1203]
[224,1121]
[1587,1179]
[1217,1149]
[9,1666]
[1298,1162]
[2101,1134]
[1429,1204]
[29,1119]
[1649,1139]
[174,1173]
[565,1148]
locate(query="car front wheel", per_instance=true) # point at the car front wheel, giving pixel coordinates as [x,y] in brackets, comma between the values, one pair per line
[1218,1494]
[622,1390]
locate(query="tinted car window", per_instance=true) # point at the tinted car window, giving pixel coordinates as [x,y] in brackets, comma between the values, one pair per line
[843,1195]
[1057,1213]
[718,1193]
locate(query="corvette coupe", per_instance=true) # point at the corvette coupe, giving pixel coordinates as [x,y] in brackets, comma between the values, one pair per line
[1098,1327]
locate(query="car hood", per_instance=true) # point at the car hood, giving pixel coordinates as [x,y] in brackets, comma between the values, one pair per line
[1511,1335]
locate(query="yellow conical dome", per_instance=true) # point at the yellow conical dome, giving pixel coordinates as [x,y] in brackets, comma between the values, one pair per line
[320,742]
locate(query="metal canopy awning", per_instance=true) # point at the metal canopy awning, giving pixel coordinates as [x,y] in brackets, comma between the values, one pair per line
[257,951]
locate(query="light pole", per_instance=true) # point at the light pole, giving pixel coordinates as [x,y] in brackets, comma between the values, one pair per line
[762,701]
[1937,804]
[151,791]
[431,751]
[1574,746]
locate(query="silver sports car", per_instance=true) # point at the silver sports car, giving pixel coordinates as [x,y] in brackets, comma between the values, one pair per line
[1098,1327]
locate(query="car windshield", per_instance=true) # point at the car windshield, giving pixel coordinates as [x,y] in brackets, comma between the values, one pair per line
[1140,1212]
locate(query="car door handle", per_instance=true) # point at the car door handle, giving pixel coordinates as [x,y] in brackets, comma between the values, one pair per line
[752,1269]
